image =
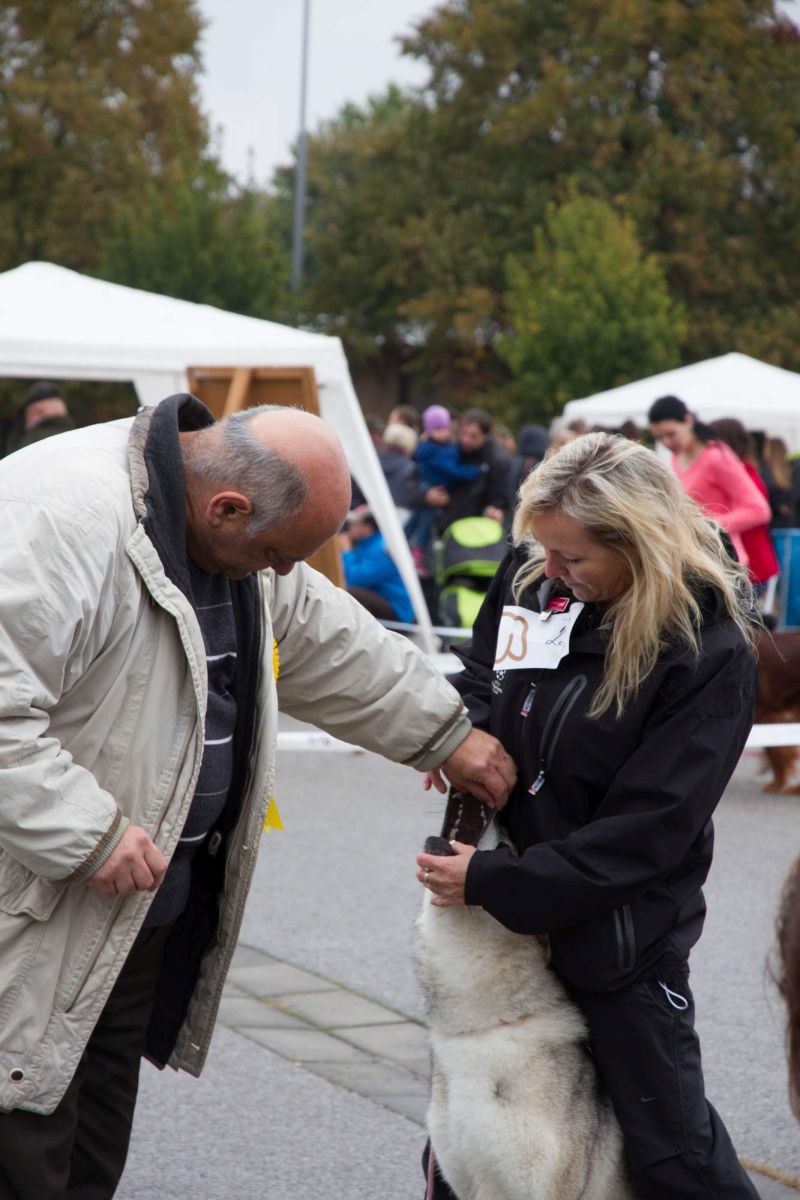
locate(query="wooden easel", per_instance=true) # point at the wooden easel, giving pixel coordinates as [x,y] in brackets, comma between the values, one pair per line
[230,389]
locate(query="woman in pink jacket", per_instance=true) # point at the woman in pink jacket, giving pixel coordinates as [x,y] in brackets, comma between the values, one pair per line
[709,470]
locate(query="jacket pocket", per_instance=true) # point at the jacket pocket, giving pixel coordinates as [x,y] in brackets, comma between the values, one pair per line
[553,726]
[611,950]
[24,894]
[27,901]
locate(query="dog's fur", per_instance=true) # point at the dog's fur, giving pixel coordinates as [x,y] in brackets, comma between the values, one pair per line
[779,701]
[515,1110]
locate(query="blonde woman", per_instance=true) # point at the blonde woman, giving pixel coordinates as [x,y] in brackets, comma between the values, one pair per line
[613,659]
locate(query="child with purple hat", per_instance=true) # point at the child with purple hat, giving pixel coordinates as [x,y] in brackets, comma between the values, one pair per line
[439,462]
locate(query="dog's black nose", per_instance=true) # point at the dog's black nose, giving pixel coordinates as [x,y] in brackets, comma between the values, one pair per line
[438,845]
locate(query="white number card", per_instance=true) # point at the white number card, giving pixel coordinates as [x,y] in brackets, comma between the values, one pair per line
[529,639]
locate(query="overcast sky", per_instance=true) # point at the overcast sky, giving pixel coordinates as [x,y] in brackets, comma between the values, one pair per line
[251,50]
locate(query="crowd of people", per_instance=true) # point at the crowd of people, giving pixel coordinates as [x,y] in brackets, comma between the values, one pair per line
[441,468]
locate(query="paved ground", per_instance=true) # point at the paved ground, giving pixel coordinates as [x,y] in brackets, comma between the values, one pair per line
[316,1085]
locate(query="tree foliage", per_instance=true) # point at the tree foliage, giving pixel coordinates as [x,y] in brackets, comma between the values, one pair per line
[97,102]
[205,240]
[682,114]
[588,310]
[364,200]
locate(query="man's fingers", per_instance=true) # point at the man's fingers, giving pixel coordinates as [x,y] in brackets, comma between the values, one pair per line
[491,789]
[483,793]
[508,770]
[501,771]
[103,888]
[157,864]
[134,865]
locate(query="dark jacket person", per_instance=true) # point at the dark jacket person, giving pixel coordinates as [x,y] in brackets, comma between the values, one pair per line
[612,658]
[491,494]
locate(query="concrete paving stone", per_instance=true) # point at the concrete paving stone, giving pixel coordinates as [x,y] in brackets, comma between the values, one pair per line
[239,1011]
[340,1009]
[249,956]
[255,1127]
[271,978]
[306,1046]
[371,1078]
[233,989]
[771,1189]
[406,1043]
[413,1108]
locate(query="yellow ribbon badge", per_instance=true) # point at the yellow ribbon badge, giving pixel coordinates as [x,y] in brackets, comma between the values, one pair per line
[273,818]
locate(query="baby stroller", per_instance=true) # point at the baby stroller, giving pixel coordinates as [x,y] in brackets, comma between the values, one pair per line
[469,554]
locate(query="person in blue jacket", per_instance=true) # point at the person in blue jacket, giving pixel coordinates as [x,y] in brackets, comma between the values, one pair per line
[370,573]
[441,468]
[613,659]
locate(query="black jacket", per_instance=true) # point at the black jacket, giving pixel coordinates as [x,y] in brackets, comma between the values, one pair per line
[493,489]
[611,817]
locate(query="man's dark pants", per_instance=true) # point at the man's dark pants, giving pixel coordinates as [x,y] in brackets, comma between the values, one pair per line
[78,1152]
[647,1053]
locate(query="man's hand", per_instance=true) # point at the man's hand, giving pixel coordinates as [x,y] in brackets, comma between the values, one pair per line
[437,496]
[480,766]
[496,514]
[134,865]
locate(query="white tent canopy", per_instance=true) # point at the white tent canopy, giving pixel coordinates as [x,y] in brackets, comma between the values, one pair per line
[759,395]
[56,323]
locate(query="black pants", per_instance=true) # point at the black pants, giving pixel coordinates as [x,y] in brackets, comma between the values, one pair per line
[78,1151]
[648,1056]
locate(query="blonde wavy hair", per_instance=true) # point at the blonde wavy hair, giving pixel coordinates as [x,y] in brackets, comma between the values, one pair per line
[628,501]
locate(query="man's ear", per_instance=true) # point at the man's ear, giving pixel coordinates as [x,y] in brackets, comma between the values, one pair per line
[226,507]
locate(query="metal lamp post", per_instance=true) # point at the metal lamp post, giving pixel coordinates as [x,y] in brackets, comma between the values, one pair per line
[300,176]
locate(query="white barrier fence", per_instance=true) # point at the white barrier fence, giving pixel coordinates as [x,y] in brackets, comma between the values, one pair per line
[315,739]
[761,736]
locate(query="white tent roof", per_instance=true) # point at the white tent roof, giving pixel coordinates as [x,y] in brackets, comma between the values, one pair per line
[734,385]
[56,323]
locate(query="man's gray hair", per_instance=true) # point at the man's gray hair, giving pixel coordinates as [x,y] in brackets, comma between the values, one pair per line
[277,489]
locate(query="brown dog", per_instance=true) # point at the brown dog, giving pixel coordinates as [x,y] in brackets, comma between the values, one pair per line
[779,700]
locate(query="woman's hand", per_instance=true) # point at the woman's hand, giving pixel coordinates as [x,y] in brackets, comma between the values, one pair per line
[445,876]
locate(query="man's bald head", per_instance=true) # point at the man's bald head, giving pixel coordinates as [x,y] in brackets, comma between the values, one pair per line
[313,449]
[274,471]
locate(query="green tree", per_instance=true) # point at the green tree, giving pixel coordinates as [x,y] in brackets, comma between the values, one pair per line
[206,240]
[588,310]
[363,194]
[682,114]
[98,102]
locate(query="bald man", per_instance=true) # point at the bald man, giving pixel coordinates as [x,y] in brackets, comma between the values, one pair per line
[153,579]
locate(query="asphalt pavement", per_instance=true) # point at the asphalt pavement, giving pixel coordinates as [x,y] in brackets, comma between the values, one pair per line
[316,1083]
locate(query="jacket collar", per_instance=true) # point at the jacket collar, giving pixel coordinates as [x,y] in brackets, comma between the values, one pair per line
[157,478]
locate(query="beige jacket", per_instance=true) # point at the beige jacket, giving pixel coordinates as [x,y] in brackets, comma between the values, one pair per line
[102,703]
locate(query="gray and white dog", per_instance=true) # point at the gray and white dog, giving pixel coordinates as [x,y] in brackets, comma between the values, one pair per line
[515,1110]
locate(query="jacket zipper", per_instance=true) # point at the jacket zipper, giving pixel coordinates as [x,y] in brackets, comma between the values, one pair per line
[626,937]
[553,726]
